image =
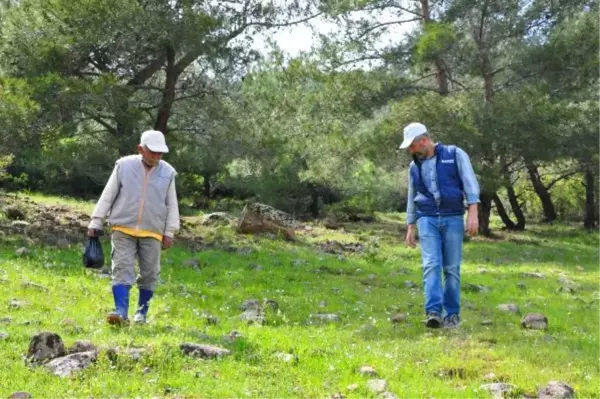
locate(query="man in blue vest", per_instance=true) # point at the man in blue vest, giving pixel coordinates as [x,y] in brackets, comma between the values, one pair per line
[440,179]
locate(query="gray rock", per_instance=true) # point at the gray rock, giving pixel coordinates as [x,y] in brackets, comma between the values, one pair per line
[410,284]
[22,251]
[20,224]
[299,262]
[535,321]
[556,390]
[20,395]
[508,308]
[255,266]
[399,318]
[389,395]
[270,303]
[253,316]
[499,390]
[377,386]
[14,213]
[487,323]
[204,351]
[191,263]
[476,288]
[211,320]
[134,353]
[533,275]
[232,336]
[83,346]
[16,304]
[567,285]
[68,323]
[489,377]
[251,304]
[62,243]
[323,304]
[39,287]
[285,357]
[3,336]
[260,218]
[324,317]
[367,370]
[45,346]
[67,365]
[217,218]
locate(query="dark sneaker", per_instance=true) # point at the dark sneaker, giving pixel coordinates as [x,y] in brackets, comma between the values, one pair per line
[115,319]
[452,321]
[434,320]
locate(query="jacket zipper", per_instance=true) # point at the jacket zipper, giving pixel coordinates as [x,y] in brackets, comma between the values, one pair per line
[144,189]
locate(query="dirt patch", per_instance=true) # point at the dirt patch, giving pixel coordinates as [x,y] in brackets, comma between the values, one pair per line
[54,225]
[338,248]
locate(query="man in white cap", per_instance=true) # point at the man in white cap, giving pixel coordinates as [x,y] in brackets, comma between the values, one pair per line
[440,179]
[144,216]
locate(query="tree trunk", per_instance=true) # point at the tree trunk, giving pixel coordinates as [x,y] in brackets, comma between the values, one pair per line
[590,208]
[485,207]
[440,66]
[541,191]
[510,225]
[512,196]
[314,204]
[206,186]
[164,111]
[516,207]
[125,138]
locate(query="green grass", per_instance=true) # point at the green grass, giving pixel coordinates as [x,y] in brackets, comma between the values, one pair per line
[44,199]
[414,361]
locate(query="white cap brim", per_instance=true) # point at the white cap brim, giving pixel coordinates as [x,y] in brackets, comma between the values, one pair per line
[158,148]
[406,143]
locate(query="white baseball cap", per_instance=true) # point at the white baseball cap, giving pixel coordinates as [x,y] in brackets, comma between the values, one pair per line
[154,141]
[411,131]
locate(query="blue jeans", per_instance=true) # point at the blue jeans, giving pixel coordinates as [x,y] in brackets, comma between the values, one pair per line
[441,240]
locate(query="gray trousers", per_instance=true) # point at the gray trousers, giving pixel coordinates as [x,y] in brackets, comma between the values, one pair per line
[125,249]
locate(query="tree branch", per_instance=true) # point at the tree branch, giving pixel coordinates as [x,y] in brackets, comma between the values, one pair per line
[407,10]
[110,128]
[382,24]
[553,182]
[147,72]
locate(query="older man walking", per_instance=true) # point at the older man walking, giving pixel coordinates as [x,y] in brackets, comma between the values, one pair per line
[141,198]
[440,179]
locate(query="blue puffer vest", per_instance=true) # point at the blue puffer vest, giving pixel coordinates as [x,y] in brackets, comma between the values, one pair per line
[449,184]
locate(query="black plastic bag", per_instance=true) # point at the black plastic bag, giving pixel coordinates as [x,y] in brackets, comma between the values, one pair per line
[93,256]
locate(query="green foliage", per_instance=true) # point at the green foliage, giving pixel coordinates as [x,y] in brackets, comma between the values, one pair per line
[80,80]
[436,39]
[9,181]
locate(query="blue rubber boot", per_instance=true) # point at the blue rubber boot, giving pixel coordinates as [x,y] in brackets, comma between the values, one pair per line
[143,305]
[121,297]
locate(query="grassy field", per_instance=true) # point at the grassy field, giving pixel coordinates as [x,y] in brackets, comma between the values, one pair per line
[290,355]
